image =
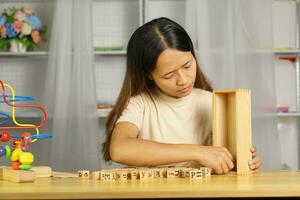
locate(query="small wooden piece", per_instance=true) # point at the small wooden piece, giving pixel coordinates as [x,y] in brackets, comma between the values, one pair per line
[121,175]
[132,173]
[205,171]
[145,173]
[42,171]
[108,175]
[193,174]
[158,172]
[173,172]
[83,173]
[96,175]
[232,125]
[19,176]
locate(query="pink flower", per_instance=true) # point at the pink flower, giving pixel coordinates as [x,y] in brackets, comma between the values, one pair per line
[20,16]
[3,31]
[36,38]
[17,26]
[27,11]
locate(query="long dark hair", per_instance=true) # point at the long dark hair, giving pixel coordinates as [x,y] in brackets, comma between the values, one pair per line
[143,50]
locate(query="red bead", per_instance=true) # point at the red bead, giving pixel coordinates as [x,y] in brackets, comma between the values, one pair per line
[4,136]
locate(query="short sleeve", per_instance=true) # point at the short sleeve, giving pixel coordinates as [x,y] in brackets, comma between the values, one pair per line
[133,112]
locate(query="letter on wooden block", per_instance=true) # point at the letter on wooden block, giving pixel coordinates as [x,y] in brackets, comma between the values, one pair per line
[232,125]
[83,173]
[108,175]
[173,172]
[193,174]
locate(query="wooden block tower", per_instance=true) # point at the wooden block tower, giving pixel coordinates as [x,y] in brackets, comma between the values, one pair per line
[232,125]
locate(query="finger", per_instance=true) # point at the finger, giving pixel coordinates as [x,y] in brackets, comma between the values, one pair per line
[228,153]
[253,149]
[255,163]
[255,160]
[229,163]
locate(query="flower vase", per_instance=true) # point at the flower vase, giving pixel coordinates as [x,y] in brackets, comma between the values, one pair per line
[16,47]
[13,46]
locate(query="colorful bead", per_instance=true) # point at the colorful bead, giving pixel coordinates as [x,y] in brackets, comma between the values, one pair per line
[2,151]
[25,166]
[26,158]
[4,136]
[15,165]
[7,151]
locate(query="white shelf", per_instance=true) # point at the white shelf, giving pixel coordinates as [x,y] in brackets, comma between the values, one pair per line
[288,114]
[103,112]
[26,54]
[44,54]
[287,52]
[110,53]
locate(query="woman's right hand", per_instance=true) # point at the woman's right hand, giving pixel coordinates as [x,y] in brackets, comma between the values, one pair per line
[217,158]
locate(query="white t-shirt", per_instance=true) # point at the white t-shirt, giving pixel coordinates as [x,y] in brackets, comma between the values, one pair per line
[165,119]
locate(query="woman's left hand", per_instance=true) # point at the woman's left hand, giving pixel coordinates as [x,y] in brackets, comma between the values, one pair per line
[255,163]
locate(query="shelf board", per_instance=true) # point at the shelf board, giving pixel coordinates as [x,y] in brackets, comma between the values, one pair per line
[288,114]
[26,54]
[110,53]
[44,54]
[289,52]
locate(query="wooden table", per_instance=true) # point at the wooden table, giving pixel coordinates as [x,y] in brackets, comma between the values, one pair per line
[263,184]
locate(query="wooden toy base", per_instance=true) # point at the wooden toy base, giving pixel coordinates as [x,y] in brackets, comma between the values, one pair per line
[22,176]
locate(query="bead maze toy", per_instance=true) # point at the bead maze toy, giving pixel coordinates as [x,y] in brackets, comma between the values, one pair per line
[21,169]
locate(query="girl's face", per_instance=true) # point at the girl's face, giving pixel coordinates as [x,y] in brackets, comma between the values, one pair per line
[175,73]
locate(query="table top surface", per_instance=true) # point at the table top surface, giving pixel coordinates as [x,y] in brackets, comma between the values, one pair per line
[263,184]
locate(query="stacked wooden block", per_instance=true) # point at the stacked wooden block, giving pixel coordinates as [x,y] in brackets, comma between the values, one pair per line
[144,173]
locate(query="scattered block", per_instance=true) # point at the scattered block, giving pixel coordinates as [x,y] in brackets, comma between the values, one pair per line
[83,173]
[193,174]
[205,171]
[158,172]
[108,175]
[173,172]
[145,173]
[18,176]
[183,171]
[232,125]
[96,175]
[132,173]
[121,175]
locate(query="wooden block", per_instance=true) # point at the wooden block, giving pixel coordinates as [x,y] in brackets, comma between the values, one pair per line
[232,125]
[193,174]
[42,171]
[145,173]
[83,173]
[132,173]
[121,175]
[96,175]
[173,172]
[19,176]
[108,175]
[183,171]
[158,172]
[206,171]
